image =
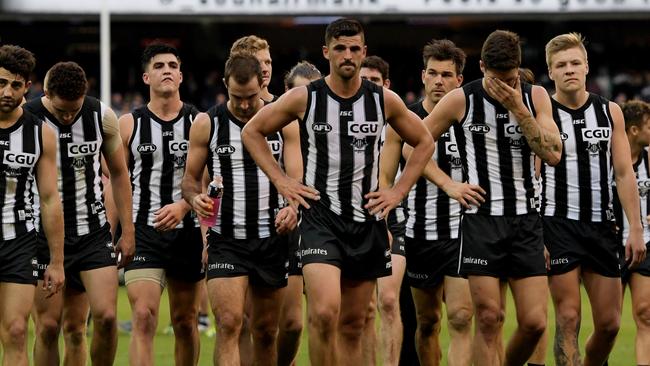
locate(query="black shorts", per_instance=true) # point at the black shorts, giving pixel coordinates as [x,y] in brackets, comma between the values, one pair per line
[295,264]
[429,261]
[502,246]
[18,262]
[360,250]
[398,232]
[590,245]
[80,253]
[177,251]
[264,261]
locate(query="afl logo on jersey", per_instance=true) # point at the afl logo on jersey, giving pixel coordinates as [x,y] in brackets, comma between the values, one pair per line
[224,150]
[321,128]
[564,136]
[14,159]
[147,148]
[83,149]
[479,129]
[275,146]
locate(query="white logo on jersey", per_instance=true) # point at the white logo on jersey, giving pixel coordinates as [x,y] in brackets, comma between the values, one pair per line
[359,131]
[224,150]
[275,146]
[593,137]
[168,133]
[15,159]
[480,129]
[82,149]
[644,186]
[4,143]
[147,148]
[177,146]
[65,135]
[321,127]
[345,114]
[514,134]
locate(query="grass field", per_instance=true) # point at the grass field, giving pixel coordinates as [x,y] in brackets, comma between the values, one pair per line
[623,353]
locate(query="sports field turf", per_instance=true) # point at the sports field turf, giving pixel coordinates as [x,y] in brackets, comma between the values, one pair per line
[623,353]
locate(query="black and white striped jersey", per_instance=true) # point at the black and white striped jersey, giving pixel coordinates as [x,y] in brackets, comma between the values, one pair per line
[79,166]
[250,202]
[157,154]
[643,183]
[340,139]
[495,153]
[20,148]
[579,187]
[432,215]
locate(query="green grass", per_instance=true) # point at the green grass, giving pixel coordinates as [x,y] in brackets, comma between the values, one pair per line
[623,353]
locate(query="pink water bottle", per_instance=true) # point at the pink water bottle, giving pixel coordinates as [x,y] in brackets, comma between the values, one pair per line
[215,191]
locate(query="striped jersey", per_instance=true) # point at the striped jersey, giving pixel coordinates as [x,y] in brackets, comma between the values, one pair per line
[20,148]
[432,215]
[78,160]
[579,187]
[495,153]
[340,140]
[250,202]
[157,154]
[643,183]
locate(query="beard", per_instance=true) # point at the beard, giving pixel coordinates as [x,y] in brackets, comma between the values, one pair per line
[8,105]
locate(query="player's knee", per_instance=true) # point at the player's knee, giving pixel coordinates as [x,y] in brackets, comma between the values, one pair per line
[292,324]
[642,315]
[429,324]
[144,320]
[74,334]
[324,319]
[105,322]
[15,332]
[229,323]
[460,319]
[265,334]
[567,318]
[47,330]
[352,326]
[534,325]
[185,324]
[489,319]
[608,325]
[389,306]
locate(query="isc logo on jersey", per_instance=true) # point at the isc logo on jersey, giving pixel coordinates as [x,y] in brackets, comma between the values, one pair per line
[83,149]
[177,146]
[15,159]
[224,150]
[363,129]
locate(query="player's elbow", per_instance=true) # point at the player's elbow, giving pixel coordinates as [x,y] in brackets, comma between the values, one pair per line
[554,158]
[248,134]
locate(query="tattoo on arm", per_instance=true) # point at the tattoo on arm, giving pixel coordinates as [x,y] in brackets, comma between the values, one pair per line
[539,140]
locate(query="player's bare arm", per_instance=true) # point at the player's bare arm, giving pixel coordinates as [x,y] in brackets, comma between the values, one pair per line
[51,212]
[287,218]
[113,151]
[628,192]
[540,131]
[391,152]
[197,154]
[413,132]
[272,118]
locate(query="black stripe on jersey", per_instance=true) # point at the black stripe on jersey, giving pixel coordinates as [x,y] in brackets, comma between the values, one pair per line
[442,205]
[251,181]
[505,154]
[145,174]
[67,179]
[225,164]
[604,119]
[320,116]
[584,169]
[167,169]
[346,154]
[188,220]
[479,151]
[371,115]
[274,199]
[90,134]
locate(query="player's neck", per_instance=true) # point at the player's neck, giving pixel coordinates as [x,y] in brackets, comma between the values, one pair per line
[635,149]
[344,88]
[265,95]
[165,107]
[8,119]
[428,104]
[573,100]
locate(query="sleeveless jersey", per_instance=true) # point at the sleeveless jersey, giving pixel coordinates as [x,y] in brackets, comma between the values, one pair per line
[643,183]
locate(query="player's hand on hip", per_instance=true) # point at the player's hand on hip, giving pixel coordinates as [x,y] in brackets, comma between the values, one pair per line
[125,249]
[286,220]
[202,205]
[382,201]
[466,194]
[296,193]
[53,279]
[169,216]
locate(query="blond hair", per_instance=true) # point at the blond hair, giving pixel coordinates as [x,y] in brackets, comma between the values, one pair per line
[249,45]
[565,42]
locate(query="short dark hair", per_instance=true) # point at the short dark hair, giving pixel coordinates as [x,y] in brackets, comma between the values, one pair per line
[635,113]
[67,80]
[301,69]
[501,51]
[17,60]
[242,68]
[377,63]
[157,48]
[444,50]
[343,27]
